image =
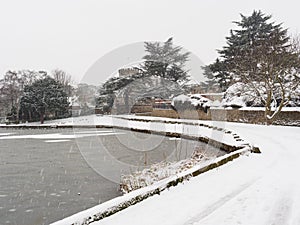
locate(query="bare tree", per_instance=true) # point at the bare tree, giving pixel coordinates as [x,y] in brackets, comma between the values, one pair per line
[64,79]
[277,75]
[12,87]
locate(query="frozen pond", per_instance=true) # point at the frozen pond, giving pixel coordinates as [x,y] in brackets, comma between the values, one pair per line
[44,176]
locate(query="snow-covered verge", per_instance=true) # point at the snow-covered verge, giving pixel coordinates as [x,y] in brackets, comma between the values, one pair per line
[162,170]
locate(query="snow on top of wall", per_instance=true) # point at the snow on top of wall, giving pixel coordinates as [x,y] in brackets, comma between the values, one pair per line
[181,98]
[194,99]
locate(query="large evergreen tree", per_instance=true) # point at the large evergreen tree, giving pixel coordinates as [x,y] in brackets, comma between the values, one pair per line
[45,97]
[260,54]
[165,60]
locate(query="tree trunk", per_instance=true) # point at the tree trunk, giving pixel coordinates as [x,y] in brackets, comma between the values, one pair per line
[30,116]
[269,115]
[127,100]
[42,118]
[268,108]
[269,121]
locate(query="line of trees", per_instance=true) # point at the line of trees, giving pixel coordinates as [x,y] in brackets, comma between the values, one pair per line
[33,95]
[259,56]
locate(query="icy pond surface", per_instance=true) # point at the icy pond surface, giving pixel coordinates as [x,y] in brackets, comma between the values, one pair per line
[44,176]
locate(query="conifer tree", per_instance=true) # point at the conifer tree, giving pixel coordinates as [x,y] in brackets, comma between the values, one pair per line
[165,60]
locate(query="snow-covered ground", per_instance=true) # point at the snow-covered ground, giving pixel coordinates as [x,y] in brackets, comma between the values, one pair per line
[258,189]
[253,189]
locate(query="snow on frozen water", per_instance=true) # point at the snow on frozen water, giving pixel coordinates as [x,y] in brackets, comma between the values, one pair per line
[59,135]
[174,139]
[55,141]
[5,134]
[92,131]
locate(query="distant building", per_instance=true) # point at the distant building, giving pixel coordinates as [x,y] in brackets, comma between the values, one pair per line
[75,109]
[125,72]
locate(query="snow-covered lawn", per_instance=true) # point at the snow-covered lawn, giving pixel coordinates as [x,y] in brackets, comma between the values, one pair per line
[253,189]
[258,189]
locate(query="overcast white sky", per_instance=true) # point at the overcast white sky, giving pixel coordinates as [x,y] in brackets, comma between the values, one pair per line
[73,34]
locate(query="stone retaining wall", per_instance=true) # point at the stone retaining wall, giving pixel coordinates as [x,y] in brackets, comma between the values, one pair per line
[231,115]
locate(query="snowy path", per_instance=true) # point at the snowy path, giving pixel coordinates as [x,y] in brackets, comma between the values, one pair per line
[258,189]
